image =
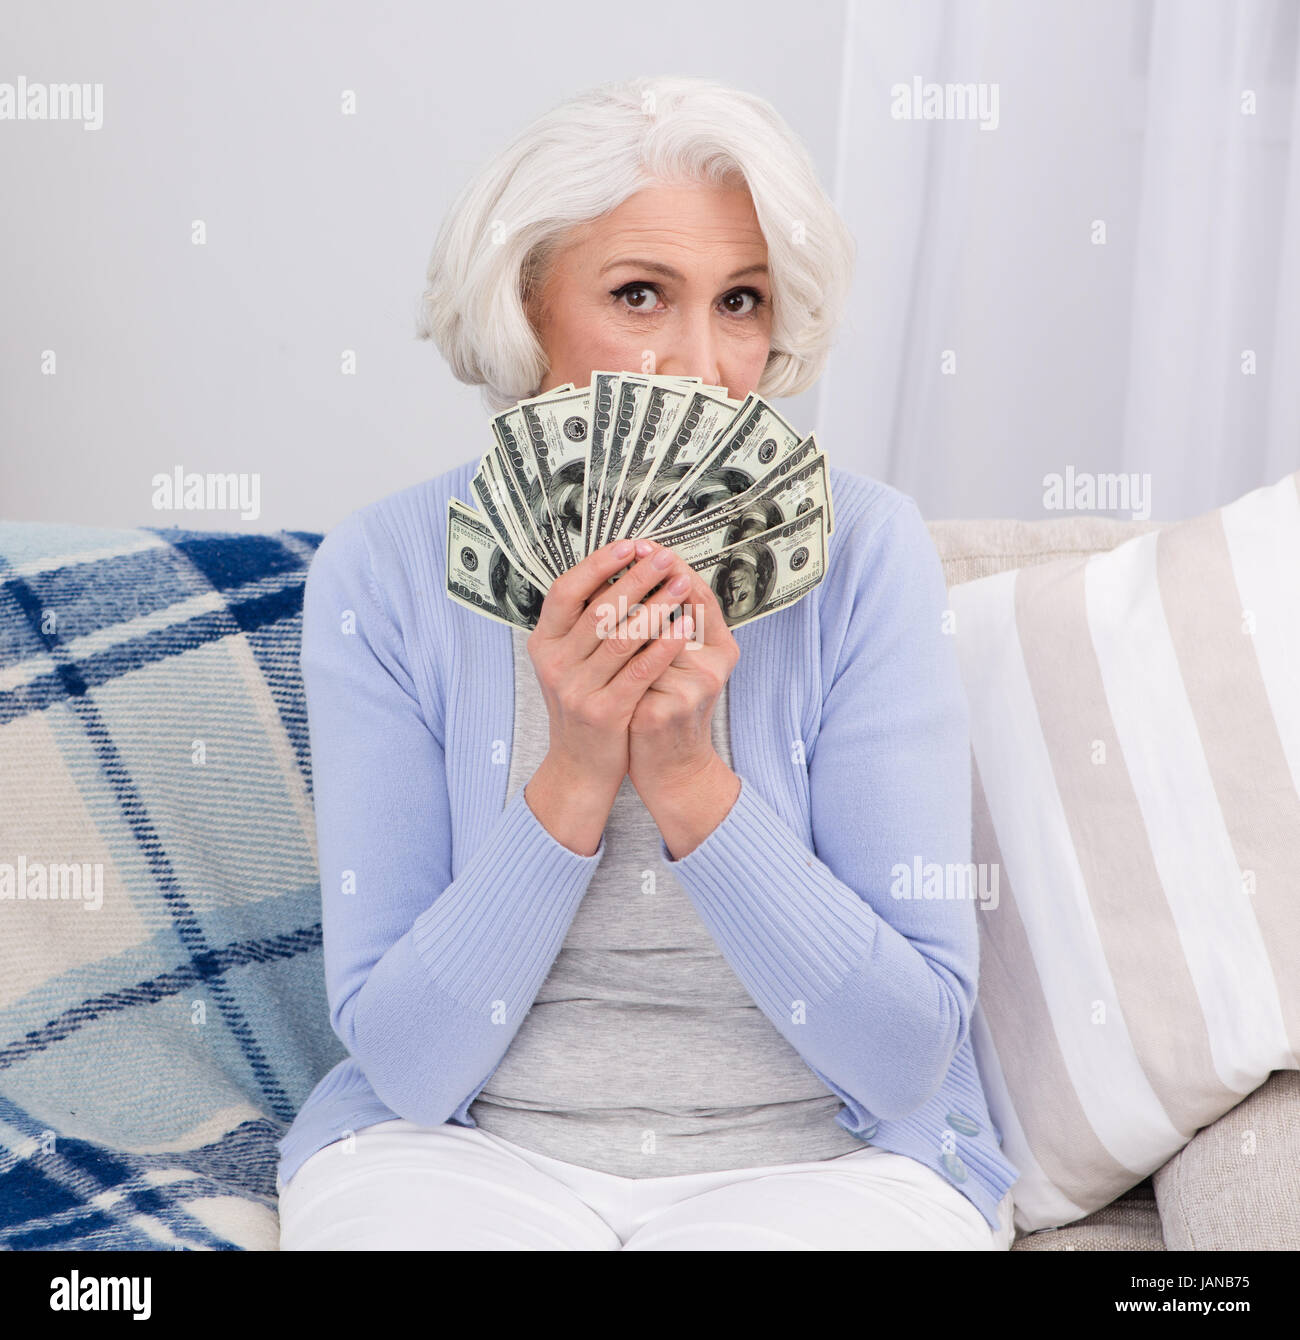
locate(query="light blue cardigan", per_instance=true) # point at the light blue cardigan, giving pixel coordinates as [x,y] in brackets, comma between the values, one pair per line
[444,907]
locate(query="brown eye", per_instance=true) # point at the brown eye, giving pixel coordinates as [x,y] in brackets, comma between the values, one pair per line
[638,304]
[755,301]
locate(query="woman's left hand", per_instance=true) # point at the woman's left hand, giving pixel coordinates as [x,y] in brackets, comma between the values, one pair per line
[672,763]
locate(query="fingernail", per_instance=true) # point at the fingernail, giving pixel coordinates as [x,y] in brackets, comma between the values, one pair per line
[688,625]
[678,585]
[643,547]
[623,550]
[664,558]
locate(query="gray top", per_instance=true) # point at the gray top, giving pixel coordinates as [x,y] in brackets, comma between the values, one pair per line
[643,1054]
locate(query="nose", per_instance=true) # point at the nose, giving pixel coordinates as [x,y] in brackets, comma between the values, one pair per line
[691,348]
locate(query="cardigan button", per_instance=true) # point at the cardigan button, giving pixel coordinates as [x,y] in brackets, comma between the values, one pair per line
[954,1167]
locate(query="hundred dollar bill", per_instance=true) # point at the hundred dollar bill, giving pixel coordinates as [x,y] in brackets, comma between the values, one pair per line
[603,388]
[527,495]
[491,475]
[480,574]
[665,405]
[721,500]
[784,500]
[756,439]
[700,424]
[558,427]
[491,495]
[631,394]
[768,571]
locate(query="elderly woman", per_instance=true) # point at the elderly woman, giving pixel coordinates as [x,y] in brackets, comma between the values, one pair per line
[619,933]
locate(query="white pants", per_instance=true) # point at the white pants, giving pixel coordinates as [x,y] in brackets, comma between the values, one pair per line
[399,1186]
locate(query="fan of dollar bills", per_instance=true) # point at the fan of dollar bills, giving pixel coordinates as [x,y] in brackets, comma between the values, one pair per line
[728,484]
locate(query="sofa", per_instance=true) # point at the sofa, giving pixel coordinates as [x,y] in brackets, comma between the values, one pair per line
[162,1004]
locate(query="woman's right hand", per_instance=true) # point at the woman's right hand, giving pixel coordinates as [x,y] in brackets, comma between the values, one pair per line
[593,668]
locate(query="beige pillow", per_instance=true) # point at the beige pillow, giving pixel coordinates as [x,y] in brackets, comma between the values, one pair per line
[1135,732]
[1236,1186]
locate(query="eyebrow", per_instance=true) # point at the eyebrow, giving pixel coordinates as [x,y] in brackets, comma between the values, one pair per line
[658,267]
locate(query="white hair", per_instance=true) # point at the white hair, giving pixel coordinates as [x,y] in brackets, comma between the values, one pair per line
[581,160]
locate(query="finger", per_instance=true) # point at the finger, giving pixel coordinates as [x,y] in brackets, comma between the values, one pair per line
[696,605]
[605,616]
[616,642]
[651,616]
[570,591]
[609,631]
[701,602]
[692,650]
[640,672]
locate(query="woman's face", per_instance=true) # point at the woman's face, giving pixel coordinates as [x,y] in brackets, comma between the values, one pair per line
[674,281]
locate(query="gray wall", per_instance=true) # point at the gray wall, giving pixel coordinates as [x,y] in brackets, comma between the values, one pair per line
[1073,358]
[226,357]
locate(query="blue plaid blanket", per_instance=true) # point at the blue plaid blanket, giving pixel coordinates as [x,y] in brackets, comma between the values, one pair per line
[162,1003]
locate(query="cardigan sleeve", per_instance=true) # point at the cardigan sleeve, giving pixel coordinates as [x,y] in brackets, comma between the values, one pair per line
[428,977]
[873,987]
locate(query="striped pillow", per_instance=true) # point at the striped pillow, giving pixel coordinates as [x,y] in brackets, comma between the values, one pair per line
[1135,734]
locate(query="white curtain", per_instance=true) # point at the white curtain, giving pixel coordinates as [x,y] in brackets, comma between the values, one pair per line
[1104,281]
